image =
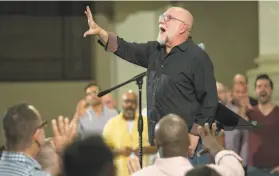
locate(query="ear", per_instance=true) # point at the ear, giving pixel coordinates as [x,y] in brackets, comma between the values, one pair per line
[183,28]
[36,134]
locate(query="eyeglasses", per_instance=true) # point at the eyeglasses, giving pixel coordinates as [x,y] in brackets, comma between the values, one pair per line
[43,124]
[166,18]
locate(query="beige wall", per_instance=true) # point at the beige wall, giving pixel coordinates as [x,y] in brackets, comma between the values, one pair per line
[228,29]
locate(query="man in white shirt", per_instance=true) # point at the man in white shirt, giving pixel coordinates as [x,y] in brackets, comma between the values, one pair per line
[171,134]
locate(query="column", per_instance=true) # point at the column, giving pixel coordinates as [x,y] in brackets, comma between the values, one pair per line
[268,59]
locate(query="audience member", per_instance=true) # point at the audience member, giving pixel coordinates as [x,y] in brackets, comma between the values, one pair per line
[222,97]
[88,157]
[241,79]
[109,101]
[121,134]
[237,139]
[48,157]
[171,135]
[24,133]
[228,94]
[202,171]
[263,142]
[91,115]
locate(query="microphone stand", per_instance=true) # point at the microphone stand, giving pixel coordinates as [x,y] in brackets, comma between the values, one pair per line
[139,82]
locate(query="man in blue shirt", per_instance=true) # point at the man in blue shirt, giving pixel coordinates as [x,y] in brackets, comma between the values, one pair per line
[25,134]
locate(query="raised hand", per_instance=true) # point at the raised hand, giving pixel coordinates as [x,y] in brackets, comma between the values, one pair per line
[94,29]
[63,132]
[212,143]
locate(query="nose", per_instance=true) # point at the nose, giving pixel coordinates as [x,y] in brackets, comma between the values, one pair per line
[161,19]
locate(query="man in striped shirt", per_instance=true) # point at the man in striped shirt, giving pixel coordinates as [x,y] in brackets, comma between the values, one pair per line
[24,133]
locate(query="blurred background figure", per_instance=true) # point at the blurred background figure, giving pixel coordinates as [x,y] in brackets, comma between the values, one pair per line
[222,96]
[109,101]
[241,79]
[121,134]
[237,140]
[263,153]
[91,114]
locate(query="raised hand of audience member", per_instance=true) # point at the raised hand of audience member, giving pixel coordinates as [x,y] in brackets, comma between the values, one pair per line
[63,132]
[211,141]
[219,138]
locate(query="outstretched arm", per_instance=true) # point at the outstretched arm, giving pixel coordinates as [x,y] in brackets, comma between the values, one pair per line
[136,53]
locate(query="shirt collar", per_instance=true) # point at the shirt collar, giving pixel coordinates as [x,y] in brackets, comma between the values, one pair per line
[183,46]
[20,157]
[178,160]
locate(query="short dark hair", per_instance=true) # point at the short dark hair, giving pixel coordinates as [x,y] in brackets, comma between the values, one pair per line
[264,77]
[92,83]
[202,171]
[19,123]
[87,157]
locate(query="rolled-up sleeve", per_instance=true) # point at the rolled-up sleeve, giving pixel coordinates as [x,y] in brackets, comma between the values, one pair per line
[228,163]
[205,89]
[136,53]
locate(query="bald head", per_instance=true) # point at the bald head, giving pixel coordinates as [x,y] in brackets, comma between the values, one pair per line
[109,101]
[129,104]
[175,26]
[171,134]
[183,15]
[240,79]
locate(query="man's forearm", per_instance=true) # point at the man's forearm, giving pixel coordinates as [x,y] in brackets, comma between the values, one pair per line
[103,36]
[150,150]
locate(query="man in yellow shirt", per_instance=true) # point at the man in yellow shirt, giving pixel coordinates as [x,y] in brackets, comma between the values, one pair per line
[121,134]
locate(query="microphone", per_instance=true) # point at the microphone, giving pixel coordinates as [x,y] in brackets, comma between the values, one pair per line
[202,46]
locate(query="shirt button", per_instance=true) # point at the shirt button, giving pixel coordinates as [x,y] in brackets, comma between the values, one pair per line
[162,65]
[153,94]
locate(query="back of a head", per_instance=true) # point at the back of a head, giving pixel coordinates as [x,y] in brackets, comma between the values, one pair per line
[88,157]
[202,171]
[19,123]
[172,131]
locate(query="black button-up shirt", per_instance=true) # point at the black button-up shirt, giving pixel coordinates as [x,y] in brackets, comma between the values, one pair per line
[181,82]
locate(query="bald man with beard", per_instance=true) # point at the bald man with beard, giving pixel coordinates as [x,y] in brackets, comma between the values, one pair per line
[180,75]
[121,134]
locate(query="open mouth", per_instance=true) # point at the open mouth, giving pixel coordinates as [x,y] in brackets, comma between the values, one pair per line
[162,28]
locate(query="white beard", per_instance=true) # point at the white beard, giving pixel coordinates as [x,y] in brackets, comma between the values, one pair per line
[162,41]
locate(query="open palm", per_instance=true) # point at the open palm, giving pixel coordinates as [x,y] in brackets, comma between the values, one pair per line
[94,29]
[63,132]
